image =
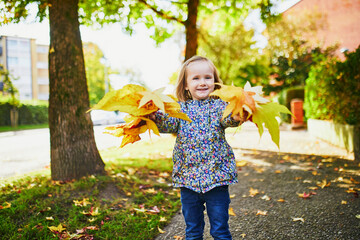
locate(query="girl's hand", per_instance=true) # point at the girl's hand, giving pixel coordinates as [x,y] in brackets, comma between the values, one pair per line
[152,116]
[238,118]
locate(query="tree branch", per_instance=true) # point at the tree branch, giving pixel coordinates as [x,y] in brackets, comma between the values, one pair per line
[161,13]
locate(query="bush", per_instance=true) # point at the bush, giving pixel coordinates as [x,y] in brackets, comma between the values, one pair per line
[285,97]
[333,90]
[30,112]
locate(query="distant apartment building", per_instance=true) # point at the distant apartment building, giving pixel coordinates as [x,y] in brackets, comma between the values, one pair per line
[27,63]
[342,21]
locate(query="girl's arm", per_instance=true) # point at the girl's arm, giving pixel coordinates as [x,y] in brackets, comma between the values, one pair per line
[165,123]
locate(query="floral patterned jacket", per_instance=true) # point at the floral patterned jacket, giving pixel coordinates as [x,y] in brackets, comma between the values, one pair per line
[202,157]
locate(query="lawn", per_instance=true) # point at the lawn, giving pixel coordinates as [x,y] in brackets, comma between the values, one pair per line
[135,200]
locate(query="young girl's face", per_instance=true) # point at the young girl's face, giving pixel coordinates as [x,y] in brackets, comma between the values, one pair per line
[200,80]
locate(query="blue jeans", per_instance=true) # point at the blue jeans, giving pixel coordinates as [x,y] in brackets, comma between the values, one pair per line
[217,202]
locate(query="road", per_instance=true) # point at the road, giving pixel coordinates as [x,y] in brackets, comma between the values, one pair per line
[25,151]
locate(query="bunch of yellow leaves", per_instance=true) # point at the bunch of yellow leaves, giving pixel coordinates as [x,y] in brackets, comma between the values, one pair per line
[260,109]
[138,102]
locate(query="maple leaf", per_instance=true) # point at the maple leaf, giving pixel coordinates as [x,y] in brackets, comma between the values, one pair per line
[82,203]
[265,114]
[260,109]
[125,100]
[258,93]
[156,97]
[59,228]
[237,98]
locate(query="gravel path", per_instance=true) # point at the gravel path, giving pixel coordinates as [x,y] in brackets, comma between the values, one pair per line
[267,202]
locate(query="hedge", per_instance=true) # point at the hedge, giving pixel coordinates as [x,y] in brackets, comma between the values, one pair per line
[333,89]
[30,112]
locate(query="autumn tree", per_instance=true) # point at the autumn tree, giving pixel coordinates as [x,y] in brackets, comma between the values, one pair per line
[73,149]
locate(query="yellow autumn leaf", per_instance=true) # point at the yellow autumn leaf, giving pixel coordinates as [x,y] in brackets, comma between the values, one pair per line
[231,212]
[7,205]
[162,219]
[125,100]
[263,112]
[237,98]
[253,192]
[156,97]
[262,213]
[160,230]
[84,202]
[59,228]
[265,115]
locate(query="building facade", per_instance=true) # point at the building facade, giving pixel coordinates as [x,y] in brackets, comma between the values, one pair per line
[27,64]
[342,22]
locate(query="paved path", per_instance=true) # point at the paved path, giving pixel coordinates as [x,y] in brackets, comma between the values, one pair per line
[302,162]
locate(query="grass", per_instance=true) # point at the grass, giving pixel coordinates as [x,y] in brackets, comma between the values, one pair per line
[134,200]
[22,127]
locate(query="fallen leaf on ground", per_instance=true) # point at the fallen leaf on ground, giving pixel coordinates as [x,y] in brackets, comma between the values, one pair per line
[178,238]
[298,219]
[160,230]
[281,200]
[49,218]
[253,192]
[243,235]
[324,184]
[162,219]
[304,195]
[241,163]
[266,198]
[7,205]
[83,203]
[343,202]
[263,213]
[59,228]
[231,212]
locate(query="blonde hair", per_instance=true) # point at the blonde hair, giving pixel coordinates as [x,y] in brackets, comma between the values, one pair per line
[181,92]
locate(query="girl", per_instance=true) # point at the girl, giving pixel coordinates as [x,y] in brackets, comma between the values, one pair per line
[204,163]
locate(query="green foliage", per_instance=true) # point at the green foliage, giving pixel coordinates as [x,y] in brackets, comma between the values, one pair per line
[333,89]
[229,50]
[285,97]
[289,51]
[95,72]
[30,112]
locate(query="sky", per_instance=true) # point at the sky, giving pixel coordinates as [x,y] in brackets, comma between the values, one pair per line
[139,52]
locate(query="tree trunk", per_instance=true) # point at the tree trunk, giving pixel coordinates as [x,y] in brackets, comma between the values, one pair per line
[73,150]
[191,29]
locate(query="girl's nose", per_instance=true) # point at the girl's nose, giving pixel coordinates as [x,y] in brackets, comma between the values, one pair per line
[202,81]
